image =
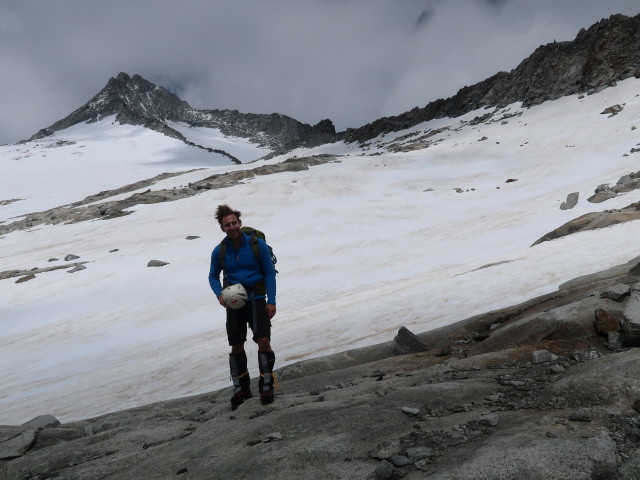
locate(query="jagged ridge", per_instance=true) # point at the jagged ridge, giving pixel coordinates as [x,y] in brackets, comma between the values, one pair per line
[598,57]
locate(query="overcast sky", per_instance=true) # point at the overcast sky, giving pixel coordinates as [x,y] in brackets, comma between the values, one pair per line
[348,60]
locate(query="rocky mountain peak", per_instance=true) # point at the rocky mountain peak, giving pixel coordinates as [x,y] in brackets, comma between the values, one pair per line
[137,94]
[132,99]
[137,101]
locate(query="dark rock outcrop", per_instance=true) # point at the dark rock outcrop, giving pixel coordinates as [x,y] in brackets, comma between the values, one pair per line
[407,342]
[598,57]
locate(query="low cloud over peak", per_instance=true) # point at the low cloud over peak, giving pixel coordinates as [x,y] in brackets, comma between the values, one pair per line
[351,61]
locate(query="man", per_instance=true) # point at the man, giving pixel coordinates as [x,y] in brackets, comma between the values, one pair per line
[239,263]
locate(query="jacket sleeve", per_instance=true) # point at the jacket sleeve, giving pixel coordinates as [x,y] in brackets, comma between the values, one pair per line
[214,272]
[268,270]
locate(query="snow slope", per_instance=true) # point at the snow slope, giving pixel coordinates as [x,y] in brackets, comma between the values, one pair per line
[88,158]
[366,244]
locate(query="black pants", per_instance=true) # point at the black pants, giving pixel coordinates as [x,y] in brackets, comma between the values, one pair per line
[254,315]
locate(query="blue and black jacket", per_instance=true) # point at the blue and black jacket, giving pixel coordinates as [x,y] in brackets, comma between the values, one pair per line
[242,266]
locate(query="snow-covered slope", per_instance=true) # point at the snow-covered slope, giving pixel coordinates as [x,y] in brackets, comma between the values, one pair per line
[240,148]
[376,240]
[87,158]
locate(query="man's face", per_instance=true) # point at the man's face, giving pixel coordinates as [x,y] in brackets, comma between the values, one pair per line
[231,226]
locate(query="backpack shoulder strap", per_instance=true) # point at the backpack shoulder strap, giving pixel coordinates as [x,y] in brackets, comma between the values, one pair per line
[253,241]
[223,252]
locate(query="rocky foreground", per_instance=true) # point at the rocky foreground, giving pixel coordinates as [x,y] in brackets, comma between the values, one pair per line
[549,389]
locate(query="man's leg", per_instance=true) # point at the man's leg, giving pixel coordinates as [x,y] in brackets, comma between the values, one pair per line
[266,360]
[237,336]
[239,375]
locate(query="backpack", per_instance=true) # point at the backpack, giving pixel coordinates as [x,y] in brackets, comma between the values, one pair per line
[253,241]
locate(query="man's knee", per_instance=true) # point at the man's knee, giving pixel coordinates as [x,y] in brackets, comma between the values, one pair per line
[237,348]
[264,344]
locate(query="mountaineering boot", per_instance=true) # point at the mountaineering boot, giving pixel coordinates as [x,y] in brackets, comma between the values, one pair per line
[241,379]
[267,383]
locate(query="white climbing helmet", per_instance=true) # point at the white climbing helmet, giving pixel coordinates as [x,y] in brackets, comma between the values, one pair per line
[234,296]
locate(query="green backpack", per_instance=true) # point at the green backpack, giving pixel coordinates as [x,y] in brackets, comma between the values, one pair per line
[253,241]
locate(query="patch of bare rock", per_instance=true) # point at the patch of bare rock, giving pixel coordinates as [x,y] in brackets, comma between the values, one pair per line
[93,207]
[606,218]
[626,183]
[545,390]
[30,274]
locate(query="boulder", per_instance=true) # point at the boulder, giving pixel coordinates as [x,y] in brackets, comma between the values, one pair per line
[570,202]
[406,342]
[543,356]
[42,421]
[156,263]
[603,196]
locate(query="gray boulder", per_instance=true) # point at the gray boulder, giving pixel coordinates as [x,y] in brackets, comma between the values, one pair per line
[156,263]
[406,342]
[543,356]
[42,421]
[570,202]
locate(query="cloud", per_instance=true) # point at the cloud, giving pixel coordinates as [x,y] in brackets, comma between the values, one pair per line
[348,60]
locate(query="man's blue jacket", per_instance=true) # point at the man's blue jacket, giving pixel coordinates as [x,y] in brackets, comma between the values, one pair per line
[242,266]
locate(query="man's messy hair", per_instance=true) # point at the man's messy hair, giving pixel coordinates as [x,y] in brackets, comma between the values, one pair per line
[224,210]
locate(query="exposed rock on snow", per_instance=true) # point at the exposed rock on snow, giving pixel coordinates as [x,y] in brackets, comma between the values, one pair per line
[613,110]
[156,263]
[593,220]
[34,271]
[626,183]
[79,211]
[7,202]
[570,202]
